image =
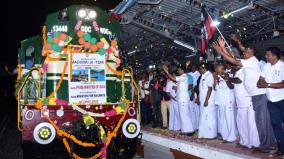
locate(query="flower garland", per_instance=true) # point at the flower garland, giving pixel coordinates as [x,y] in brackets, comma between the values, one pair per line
[118,73]
[82,111]
[65,135]
[44,35]
[60,81]
[110,136]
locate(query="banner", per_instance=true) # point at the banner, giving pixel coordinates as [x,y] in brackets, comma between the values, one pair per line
[88,83]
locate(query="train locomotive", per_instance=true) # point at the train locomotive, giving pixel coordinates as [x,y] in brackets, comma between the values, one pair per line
[69,88]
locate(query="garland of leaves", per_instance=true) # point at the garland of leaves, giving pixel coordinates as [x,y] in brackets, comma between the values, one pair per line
[31,85]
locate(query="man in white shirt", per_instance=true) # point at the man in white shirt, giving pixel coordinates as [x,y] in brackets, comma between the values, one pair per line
[195,108]
[245,114]
[183,99]
[145,108]
[273,80]
[174,121]
[252,73]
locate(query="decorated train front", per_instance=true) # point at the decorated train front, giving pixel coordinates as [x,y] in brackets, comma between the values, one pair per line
[69,87]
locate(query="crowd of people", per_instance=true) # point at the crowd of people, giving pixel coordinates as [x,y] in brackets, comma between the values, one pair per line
[238,99]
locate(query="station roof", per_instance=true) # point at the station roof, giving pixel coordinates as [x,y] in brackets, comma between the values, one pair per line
[150,27]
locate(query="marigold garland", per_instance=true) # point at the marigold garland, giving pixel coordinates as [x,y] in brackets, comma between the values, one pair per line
[118,73]
[60,81]
[19,70]
[44,35]
[71,65]
[110,135]
[69,136]
[53,58]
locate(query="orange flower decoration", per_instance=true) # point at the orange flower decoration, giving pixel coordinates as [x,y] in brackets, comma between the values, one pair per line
[38,104]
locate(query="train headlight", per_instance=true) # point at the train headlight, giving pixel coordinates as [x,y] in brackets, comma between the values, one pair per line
[86,14]
[44,133]
[131,128]
[82,13]
[92,14]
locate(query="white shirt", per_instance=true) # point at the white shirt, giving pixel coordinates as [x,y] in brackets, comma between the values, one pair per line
[207,80]
[223,94]
[182,87]
[243,99]
[142,93]
[262,64]
[170,88]
[195,75]
[274,74]
[146,86]
[252,73]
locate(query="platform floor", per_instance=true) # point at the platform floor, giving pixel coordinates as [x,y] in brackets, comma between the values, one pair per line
[157,142]
[201,148]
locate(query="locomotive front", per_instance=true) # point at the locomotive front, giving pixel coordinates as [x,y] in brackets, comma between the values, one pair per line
[69,88]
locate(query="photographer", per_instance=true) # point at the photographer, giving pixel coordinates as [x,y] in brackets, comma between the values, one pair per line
[165,103]
[156,91]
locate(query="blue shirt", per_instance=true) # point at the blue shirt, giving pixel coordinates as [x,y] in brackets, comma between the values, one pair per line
[190,82]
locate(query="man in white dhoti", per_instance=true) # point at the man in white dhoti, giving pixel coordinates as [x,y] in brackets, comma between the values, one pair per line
[183,100]
[174,121]
[225,104]
[208,120]
[245,114]
[195,110]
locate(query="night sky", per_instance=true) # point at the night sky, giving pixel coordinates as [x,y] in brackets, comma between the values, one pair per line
[23,19]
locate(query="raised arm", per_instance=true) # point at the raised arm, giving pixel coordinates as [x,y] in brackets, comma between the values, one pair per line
[166,69]
[238,41]
[220,48]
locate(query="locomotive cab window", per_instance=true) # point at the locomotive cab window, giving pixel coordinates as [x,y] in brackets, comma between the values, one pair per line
[29,57]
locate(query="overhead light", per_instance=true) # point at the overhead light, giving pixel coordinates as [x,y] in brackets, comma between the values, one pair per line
[82,13]
[250,6]
[191,55]
[131,52]
[276,33]
[226,16]
[92,14]
[215,23]
[184,45]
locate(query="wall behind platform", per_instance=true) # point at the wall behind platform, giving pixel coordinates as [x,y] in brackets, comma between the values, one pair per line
[263,45]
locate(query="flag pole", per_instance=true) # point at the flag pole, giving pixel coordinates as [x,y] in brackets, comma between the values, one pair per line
[229,47]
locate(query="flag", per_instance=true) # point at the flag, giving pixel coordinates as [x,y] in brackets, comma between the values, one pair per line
[207,31]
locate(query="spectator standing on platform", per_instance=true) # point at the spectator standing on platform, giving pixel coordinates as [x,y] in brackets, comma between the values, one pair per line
[191,103]
[208,118]
[156,91]
[165,103]
[225,105]
[183,99]
[145,99]
[272,79]
[174,121]
[245,114]
[195,75]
